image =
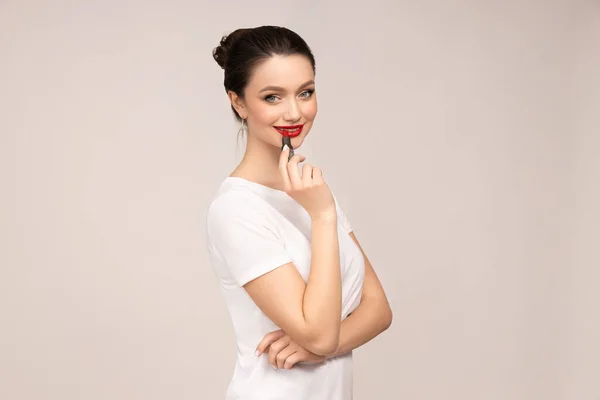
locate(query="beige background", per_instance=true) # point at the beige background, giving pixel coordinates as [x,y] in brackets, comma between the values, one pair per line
[461,138]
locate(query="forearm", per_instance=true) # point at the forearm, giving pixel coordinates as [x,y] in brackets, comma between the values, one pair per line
[322,302]
[369,319]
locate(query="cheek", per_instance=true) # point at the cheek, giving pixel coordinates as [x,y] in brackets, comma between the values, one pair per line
[266,114]
[310,110]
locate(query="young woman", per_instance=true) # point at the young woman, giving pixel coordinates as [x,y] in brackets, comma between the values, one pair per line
[300,290]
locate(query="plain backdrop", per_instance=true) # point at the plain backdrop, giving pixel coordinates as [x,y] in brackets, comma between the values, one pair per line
[460,137]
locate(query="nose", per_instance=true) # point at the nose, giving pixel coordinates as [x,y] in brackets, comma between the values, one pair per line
[293,112]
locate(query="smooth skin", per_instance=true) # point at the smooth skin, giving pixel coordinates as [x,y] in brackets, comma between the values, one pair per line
[281,91]
[371,317]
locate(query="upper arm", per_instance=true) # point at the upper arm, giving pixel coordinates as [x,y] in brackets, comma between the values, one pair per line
[246,240]
[372,288]
[279,294]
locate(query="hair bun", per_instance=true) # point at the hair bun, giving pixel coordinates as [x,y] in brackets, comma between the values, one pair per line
[221,52]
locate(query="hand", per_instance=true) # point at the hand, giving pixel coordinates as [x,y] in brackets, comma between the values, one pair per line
[309,190]
[284,353]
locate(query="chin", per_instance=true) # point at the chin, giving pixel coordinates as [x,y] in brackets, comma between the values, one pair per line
[297,141]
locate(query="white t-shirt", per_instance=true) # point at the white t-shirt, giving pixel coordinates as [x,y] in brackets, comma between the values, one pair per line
[251,230]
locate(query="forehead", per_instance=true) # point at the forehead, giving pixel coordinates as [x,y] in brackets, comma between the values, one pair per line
[284,71]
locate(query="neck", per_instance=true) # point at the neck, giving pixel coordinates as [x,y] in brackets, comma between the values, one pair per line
[260,163]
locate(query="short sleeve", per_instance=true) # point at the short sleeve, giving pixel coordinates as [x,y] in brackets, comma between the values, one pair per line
[342,218]
[244,236]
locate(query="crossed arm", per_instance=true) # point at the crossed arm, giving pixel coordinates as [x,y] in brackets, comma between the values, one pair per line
[371,317]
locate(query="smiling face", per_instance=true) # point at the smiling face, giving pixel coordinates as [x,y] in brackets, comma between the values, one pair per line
[279,100]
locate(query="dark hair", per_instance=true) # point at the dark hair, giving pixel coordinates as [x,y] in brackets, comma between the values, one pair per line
[243,49]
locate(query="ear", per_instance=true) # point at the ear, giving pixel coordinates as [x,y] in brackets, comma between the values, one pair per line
[238,103]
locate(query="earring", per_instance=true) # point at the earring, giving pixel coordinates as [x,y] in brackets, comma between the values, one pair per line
[243,126]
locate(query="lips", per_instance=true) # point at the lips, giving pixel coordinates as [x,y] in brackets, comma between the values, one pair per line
[291,131]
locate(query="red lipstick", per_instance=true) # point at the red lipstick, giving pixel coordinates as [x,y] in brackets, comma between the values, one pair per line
[289,130]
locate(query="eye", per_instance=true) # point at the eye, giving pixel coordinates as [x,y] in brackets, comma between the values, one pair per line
[307,93]
[270,98]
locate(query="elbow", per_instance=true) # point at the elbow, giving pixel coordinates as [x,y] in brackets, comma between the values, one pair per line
[325,349]
[325,345]
[387,318]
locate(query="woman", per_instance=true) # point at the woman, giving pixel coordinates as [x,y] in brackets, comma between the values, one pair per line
[289,265]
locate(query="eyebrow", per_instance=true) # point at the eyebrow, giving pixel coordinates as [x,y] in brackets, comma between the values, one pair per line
[280,89]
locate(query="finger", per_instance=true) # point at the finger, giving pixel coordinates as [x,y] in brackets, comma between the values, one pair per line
[317,174]
[293,172]
[307,174]
[292,360]
[276,348]
[284,355]
[267,340]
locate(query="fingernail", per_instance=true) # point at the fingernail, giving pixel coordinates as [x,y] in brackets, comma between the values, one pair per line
[285,146]
[256,353]
[274,367]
